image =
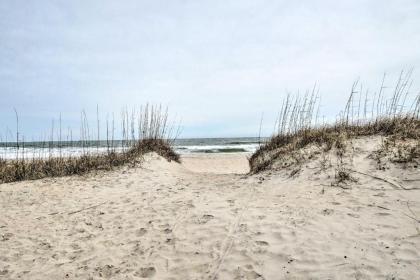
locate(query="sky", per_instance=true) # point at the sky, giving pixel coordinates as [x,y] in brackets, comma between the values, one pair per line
[218,65]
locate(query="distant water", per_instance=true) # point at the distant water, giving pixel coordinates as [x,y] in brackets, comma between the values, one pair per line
[216,145]
[77,148]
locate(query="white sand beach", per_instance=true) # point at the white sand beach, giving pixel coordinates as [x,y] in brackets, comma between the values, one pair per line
[210,140]
[207,219]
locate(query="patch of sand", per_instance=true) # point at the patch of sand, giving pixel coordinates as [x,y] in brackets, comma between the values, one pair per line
[218,163]
[169,221]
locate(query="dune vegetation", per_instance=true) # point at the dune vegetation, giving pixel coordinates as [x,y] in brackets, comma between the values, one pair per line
[394,116]
[146,130]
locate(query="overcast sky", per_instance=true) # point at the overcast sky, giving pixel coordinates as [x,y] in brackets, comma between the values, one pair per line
[218,65]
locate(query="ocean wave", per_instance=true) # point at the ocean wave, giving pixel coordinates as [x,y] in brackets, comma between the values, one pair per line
[244,148]
[74,149]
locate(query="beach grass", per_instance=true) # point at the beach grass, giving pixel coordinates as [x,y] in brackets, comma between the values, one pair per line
[298,123]
[143,131]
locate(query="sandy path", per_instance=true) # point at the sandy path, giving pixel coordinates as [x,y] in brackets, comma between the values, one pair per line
[165,221]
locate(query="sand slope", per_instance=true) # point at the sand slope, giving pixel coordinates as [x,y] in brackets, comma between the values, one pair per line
[165,221]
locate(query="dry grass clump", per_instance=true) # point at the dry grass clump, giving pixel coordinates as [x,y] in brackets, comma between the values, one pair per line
[298,127]
[148,133]
[343,176]
[342,171]
[405,152]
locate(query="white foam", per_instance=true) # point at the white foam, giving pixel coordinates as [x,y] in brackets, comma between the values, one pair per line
[201,148]
[37,152]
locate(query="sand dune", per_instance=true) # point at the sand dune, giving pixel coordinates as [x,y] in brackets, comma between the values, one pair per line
[169,221]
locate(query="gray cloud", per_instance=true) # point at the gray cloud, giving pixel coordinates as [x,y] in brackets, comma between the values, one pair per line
[217,64]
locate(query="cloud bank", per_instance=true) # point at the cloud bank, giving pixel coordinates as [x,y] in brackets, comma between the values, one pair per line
[218,65]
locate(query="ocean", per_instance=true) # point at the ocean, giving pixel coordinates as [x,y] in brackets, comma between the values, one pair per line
[77,148]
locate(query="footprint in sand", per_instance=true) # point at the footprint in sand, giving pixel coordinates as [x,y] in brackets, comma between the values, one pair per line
[382,214]
[380,194]
[141,232]
[170,241]
[146,272]
[246,273]
[205,218]
[353,215]
[6,236]
[167,230]
[231,202]
[243,227]
[107,271]
[164,226]
[138,249]
[262,243]
[327,212]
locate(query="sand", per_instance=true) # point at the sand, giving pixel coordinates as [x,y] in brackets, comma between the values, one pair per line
[201,220]
[217,163]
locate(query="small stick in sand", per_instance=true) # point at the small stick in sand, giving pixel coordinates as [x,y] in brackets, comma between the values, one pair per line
[414,214]
[391,182]
[80,210]
[90,207]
